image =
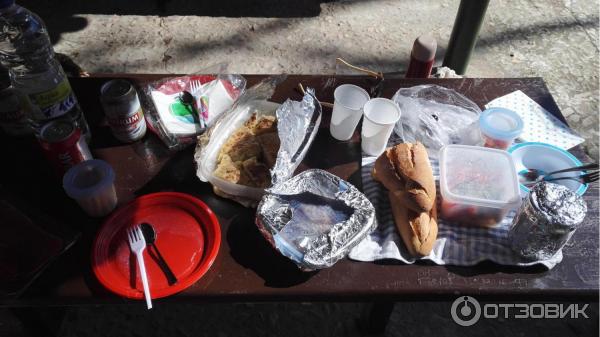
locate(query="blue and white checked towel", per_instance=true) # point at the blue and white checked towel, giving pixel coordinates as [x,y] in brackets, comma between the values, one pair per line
[456,245]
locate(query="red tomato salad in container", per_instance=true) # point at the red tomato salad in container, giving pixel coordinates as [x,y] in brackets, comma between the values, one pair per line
[478,185]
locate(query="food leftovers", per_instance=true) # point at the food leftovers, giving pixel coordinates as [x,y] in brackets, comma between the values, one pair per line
[249,153]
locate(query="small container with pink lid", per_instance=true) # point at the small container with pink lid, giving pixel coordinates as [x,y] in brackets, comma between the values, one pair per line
[499,127]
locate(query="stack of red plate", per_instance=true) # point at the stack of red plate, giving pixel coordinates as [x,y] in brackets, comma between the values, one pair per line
[188,238]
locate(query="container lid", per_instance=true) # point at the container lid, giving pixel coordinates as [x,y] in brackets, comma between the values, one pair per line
[88,178]
[424,48]
[500,123]
[478,176]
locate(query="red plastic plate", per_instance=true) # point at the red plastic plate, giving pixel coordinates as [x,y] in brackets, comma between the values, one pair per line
[188,237]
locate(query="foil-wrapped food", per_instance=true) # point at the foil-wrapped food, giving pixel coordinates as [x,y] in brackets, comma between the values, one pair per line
[546,220]
[315,218]
[257,143]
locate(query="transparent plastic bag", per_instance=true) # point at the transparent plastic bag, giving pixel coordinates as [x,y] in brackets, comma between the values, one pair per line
[254,100]
[435,116]
[176,124]
[297,125]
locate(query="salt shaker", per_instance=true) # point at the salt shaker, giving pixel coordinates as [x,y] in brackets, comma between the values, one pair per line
[546,220]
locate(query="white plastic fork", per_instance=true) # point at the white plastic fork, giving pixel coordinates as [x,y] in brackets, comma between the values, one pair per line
[194,88]
[137,243]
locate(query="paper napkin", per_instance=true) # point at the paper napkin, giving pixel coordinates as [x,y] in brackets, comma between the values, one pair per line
[540,124]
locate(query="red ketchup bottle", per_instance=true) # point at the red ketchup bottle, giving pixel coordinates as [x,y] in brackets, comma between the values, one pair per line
[422,57]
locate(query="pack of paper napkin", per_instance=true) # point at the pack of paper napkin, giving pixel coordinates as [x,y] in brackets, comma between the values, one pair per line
[177,109]
[539,124]
[210,97]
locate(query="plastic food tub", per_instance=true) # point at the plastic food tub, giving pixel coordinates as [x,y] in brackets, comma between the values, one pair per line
[220,136]
[478,185]
[499,127]
[91,184]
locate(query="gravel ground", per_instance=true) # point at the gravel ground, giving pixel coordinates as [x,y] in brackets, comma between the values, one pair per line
[554,39]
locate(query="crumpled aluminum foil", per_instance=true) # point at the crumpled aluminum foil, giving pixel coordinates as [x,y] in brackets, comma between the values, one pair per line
[315,218]
[546,221]
[297,126]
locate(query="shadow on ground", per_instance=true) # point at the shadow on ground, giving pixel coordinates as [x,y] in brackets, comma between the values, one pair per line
[228,8]
[61,16]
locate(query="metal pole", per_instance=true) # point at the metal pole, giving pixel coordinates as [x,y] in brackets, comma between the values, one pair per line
[464,34]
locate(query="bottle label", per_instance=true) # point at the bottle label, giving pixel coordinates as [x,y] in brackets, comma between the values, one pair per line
[56,101]
[129,127]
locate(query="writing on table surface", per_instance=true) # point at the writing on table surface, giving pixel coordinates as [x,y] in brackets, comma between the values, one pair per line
[424,278]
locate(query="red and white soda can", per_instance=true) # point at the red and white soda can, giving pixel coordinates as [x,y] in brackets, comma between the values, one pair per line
[63,145]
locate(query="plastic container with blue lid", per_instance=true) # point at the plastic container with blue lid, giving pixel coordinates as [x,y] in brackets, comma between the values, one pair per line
[499,127]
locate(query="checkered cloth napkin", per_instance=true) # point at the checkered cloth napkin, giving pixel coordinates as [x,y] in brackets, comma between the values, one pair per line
[455,245]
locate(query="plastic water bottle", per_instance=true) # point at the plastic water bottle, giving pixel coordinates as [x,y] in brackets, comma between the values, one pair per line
[14,108]
[26,51]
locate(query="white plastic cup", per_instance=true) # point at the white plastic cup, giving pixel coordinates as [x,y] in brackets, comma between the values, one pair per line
[381,114]
[348,105]
[91,184]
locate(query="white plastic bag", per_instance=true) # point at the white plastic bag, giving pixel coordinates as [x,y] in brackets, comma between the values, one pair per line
[435,116]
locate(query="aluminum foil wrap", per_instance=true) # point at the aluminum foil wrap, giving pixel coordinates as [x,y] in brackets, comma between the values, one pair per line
[297,126]
[546,220]
[315,218]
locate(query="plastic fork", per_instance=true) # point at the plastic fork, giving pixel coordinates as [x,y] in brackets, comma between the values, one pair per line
[194,88]
[584,178]
[535,176]
[137,243]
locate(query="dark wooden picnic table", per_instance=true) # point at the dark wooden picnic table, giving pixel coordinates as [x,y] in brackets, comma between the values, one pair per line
[247,268]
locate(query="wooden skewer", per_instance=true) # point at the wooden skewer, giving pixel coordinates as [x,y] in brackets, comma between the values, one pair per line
[329,105]
[367,71]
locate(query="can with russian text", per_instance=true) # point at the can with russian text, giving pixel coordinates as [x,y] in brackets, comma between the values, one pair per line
[123,110]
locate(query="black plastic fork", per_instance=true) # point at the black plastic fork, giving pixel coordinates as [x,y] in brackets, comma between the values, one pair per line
[584,178]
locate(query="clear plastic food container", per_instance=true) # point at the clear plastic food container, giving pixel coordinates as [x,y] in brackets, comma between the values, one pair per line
[91,184]
[478,185]
[208,165]
[499,127]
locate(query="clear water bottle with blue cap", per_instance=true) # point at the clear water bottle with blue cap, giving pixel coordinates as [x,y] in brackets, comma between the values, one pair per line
[26,51]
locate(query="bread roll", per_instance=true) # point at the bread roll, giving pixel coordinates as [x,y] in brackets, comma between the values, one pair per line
[411,163]
[405,171]
[384,172]
[417,229]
